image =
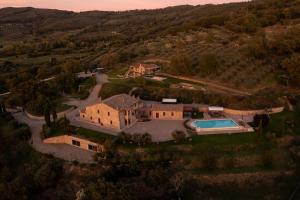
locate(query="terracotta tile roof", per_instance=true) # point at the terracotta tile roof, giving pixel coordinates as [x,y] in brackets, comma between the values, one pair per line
[167,107]
[121,101]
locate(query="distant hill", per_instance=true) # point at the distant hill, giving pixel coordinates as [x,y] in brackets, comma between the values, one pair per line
[250,45]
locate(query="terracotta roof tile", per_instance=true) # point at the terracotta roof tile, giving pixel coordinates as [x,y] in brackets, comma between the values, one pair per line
[121,101]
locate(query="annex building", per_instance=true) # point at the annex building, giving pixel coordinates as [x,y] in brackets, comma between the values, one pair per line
[144,69]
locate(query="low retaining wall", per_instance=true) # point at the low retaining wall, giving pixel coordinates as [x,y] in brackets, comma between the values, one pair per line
[75,141]
[252,112]
[245,112]
[59,115]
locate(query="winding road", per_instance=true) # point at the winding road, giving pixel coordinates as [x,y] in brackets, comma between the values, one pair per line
[63,151]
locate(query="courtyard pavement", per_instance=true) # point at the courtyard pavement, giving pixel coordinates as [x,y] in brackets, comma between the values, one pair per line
[160,130]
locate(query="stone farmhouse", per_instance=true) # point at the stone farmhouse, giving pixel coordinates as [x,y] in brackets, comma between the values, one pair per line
[144,69]
[123,111]
[116,112]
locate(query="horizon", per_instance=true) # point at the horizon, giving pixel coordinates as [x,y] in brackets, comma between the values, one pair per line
[107,5]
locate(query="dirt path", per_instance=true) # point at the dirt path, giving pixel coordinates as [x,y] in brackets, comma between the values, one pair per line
[211,85]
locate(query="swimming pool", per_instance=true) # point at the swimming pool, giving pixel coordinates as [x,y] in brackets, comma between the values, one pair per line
[215,124]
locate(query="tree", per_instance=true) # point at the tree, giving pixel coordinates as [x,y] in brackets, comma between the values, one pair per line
[262,119]
[291,65]
[209,159]
[178,136]
[54,114]
[47,116]
[177,182]
[65,123]
[71,66]
[257,47]
[102,189]
[181,64]
[208,63]
[156,177]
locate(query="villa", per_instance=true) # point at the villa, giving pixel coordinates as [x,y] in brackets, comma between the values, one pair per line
[117,112]
[144,69]
[123,111]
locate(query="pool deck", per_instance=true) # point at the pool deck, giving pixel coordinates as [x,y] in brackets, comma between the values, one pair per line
[245,128]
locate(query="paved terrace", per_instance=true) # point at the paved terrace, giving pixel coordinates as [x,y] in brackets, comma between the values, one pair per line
[160,130]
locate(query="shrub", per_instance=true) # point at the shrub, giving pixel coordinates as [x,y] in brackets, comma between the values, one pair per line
[267,160]
[178,136]
[209,160]
[263,118]
[229,162]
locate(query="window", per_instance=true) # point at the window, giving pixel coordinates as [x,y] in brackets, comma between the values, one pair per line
[157,115]
[164,114]
[98,111]
[172,114]
[91,118]
[99,120]
[76,143]
[110,122]
[108,113]
[125,122]
[83,116]
[92,147]
[129,122]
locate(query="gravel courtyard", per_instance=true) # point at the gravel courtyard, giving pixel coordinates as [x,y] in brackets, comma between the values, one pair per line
[160,130]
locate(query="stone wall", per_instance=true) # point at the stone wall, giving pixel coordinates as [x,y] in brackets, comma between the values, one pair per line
[252,112]
[59,115]
[69,139]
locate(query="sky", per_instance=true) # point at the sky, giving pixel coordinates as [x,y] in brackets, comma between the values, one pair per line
[105,5]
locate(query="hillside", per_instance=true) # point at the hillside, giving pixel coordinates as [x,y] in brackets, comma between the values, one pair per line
[252,46]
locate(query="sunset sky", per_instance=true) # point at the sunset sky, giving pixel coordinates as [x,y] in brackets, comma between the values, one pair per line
[116,5]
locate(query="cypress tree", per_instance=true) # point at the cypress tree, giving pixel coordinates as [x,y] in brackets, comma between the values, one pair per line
[47,116]
[4,107]
[54,115]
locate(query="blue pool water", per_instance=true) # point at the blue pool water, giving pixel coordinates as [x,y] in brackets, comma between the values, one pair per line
[222,123]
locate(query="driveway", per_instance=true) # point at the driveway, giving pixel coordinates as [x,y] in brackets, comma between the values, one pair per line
[160,130]
[63,151]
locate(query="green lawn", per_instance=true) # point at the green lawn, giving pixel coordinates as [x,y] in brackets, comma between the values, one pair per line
[94,135]
[85,85]
[62,107]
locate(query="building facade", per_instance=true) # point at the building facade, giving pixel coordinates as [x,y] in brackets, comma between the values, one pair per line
[166,112]
[123,111]
[117,112]
[144,69]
